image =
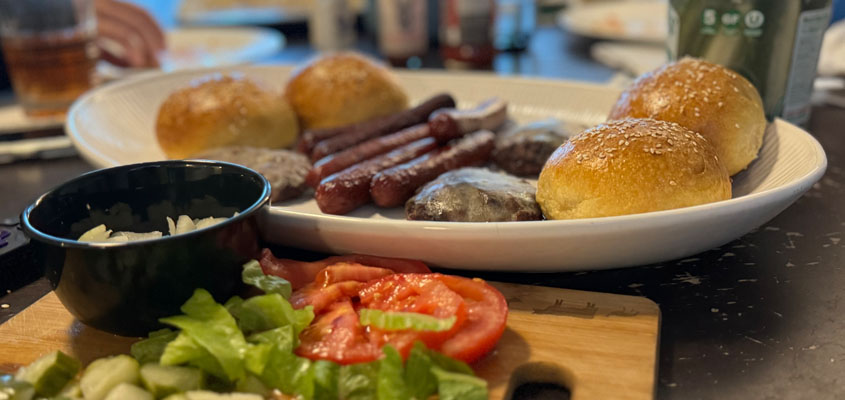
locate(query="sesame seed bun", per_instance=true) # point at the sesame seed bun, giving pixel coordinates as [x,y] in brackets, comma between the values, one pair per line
[341,89]
[631,166]
[706,98]
[222,111]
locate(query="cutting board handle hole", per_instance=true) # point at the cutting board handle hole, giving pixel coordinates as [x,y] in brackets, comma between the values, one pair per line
[540,380]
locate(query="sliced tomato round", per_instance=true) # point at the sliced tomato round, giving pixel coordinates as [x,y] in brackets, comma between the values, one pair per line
[336,334]
[301,273]
[487,314]
[416,293]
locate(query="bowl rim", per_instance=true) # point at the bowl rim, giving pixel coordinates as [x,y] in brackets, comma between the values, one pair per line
[34,233]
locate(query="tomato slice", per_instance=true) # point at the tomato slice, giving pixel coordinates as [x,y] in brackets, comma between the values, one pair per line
[487,314]
[418,293]
[336,334]
[301,273]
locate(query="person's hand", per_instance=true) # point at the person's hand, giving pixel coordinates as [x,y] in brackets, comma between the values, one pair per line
[133,29]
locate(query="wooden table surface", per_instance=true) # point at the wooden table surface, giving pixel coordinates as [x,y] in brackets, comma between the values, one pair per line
[760,317]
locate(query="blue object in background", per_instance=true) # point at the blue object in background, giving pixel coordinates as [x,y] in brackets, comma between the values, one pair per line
[838,10]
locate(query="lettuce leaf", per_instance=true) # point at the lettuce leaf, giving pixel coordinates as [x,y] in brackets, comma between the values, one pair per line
[213,329]
[358,381]
[419,376]
[150,349]
[289,373]
[420,380]
[325,380]
[391,383]
[184,350]
[282,338]
[397,320]
[271,311]
[458,386]
[252,274]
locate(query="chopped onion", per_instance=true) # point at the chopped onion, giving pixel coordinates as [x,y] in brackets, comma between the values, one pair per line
[183,224]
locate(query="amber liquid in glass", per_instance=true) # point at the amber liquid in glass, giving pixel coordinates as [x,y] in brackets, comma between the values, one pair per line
[49,72]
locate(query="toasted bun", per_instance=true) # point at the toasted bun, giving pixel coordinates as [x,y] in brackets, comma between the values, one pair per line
[706,98]
[341,89]
[221,111]
[631,166]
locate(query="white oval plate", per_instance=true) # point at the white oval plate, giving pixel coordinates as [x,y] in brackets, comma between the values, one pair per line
[113,125]
[640,21]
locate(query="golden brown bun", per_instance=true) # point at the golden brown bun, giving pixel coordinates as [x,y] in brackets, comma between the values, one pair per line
[631,166]
[341,89]
[221,111]
[706,98]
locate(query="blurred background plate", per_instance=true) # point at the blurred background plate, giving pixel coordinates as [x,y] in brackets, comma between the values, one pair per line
[208,47]
[217,47]
[243,16]
[249,12]
[640,21]
[114,125]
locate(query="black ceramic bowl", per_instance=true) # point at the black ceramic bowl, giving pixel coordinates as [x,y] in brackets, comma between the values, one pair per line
[124,288]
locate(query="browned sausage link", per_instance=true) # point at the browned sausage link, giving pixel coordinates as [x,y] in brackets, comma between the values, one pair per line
[363,151]
[393,186]
[449,123]
[311,137]
[382,126]
[349,189]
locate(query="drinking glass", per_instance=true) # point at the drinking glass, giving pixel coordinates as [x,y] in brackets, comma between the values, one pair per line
[50,52]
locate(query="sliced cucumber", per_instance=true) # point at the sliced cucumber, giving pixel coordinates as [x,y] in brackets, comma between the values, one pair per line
[206,395]
[163,380]
[50,373]
[71,390]
[11,389]
[104,374]
[128,391]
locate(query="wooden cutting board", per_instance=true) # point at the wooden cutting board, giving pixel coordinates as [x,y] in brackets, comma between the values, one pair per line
[599,346]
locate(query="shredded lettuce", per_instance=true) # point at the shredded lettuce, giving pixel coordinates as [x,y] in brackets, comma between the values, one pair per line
[325,380]
[458,386]
[391,383]
[419,375]
[397,320]
[150,349]
[271,311]
[289,373]
[421,381]
[252,274]
[211,328]
[184,350]
[358,381]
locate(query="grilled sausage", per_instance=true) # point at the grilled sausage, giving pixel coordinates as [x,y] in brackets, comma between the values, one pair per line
[349,189]
[363,151]
[392,187]
[358,133]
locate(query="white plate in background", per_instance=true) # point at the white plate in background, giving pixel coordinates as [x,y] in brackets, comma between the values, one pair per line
[640,21]
[114,125]
[191,48]
[249,12]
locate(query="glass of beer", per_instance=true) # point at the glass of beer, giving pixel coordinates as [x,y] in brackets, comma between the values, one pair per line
[50,52]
